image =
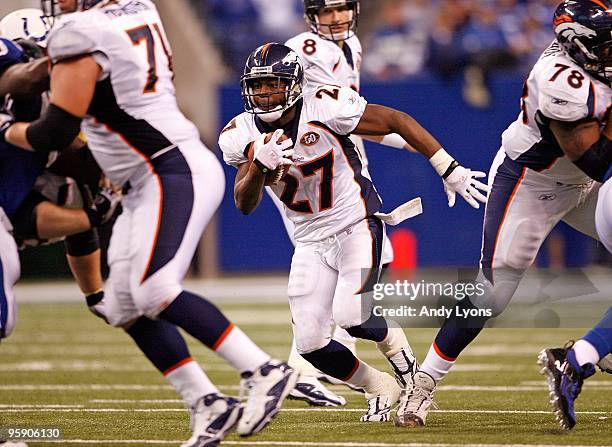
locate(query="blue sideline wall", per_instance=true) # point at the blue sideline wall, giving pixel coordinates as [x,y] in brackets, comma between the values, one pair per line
[446,237]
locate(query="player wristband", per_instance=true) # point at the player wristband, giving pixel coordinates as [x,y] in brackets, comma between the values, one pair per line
[94,298]
[261,166]
[442,162]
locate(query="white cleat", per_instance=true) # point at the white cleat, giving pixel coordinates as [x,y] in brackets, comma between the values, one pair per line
[310,390]
[382,400]
[267,389]
[414,405]
[212,417]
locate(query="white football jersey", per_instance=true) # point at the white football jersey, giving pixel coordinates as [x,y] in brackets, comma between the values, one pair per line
[558,89]
[328,188]
[325,63]
[134,114]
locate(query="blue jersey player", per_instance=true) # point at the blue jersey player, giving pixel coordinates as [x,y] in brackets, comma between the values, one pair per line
[18,173]
[567,368]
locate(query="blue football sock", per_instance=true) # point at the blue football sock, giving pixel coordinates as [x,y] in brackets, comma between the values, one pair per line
[198,317]
[160,341]
[601,335]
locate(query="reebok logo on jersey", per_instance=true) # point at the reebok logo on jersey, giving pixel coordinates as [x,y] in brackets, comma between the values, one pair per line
[310,139]
[559,102]
[547,197]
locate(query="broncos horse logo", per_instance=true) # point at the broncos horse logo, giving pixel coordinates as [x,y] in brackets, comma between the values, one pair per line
[573,32]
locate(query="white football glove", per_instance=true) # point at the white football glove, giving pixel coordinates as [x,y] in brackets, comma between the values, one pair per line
[459,180]
[463,181]
[272,154]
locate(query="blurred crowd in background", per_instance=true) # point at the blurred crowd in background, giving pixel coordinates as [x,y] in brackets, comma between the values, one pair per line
[401,38]
[405,39]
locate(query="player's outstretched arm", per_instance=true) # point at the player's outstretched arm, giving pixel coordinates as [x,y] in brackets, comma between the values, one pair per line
[586,145]
[393,140]
[380,120]
[73,83]
[26,80]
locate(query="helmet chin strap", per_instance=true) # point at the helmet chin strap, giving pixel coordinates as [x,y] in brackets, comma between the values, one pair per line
[271,116]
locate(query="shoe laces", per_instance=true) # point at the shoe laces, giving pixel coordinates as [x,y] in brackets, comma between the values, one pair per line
[202,412]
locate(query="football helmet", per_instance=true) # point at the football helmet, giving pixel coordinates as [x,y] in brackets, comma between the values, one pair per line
[311,13]
[51,7]
[584,30]
[29,24]
[272,61]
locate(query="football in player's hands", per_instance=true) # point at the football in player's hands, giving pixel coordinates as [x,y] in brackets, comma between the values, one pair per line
[273,177]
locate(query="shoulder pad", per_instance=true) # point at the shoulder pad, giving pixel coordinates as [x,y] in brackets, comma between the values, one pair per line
[564,89]
[339,108]
[233,140]
[74,36]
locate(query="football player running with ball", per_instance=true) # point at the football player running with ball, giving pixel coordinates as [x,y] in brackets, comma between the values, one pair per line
[329,196]
[549,169]
[112,73]
[331,55]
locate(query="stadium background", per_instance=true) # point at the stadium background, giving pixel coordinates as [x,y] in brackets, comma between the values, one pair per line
[456,66]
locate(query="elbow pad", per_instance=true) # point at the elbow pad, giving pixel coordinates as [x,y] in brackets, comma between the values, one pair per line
[53,131]
[595,162]
[82,244]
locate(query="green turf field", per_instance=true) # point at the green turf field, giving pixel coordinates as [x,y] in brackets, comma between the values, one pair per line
[64,368]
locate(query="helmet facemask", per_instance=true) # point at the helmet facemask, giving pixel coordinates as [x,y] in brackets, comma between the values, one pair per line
[51,8]
[584,30]
[326,31]
[601,66]
[261,104]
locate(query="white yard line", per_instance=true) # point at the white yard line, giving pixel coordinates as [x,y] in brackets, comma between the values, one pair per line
[525,386]
[77,409]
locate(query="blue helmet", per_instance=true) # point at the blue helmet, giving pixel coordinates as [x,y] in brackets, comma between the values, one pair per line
[51,7]
[584,30]
[272,61]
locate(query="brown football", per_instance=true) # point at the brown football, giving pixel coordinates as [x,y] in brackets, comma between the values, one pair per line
[272,177]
